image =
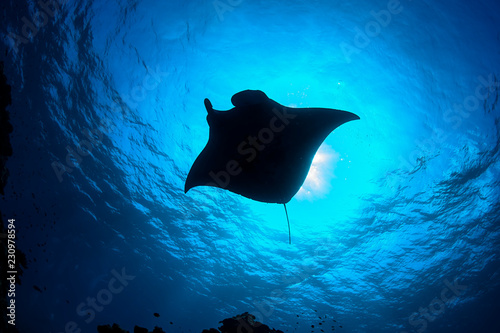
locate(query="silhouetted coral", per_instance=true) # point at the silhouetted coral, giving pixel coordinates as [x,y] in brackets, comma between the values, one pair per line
[117,329]
[245,323]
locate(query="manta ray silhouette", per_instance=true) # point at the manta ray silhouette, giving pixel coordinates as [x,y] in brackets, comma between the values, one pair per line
[261,149]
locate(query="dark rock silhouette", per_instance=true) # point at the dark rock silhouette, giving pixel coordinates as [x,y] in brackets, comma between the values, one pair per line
[244,323]
[117,329]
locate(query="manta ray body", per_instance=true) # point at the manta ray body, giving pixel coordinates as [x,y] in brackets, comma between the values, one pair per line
[261,149]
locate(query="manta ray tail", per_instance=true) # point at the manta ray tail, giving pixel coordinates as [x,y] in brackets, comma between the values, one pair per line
[289,234]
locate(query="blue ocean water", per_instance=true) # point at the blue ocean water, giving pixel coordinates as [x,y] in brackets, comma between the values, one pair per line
[396,229]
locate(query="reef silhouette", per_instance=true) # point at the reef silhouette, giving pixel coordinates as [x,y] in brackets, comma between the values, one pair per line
[243,323]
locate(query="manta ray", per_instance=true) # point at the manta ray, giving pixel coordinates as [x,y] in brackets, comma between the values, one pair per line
[261,149]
